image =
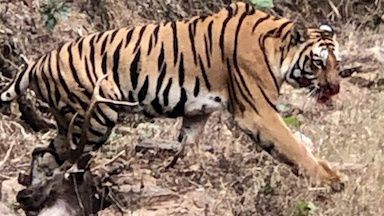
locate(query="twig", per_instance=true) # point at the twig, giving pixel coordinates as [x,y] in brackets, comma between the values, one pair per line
[4,176]
[109,161]
[8,61]
[7,155]
[117,203]
[78,195]
[158,144]
[334,8]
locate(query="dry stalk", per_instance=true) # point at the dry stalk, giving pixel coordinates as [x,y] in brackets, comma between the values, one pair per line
[7,155]
[109,161]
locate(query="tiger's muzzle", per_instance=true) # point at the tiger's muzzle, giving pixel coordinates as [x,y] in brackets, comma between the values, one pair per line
[327,91]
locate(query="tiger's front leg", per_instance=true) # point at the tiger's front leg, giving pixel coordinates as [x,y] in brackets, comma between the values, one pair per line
[270,128]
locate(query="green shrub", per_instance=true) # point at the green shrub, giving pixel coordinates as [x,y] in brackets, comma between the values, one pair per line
[54,11]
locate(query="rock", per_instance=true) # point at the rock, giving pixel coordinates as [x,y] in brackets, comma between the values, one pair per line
[9,189]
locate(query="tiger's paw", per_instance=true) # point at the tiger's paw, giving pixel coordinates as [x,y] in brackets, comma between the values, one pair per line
[325,175]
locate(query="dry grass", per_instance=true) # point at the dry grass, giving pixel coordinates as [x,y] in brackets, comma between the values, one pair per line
[225,174]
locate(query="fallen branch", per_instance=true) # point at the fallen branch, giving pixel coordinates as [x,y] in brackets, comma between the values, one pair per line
[109,161]
[166,145]
[348,166]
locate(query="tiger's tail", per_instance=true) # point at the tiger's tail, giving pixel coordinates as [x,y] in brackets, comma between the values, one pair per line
[18,85]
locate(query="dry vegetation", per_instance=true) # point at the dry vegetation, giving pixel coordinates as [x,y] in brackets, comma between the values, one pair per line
[226,174]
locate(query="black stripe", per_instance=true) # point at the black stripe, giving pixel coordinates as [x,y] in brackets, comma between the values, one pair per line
[196,90]
[130,97]
[74,72]
[235,60]
[259,21]
[166,92]
[108,121]
[92,59]
[61,79]
[144,89]
[99,35]
[236,9]
[18,80]
[97,116]
[291,75]
[231,89]
[46,84]
[203,18]
[191,35]
[93,131]
[204,73]
[157,106]
[178,110]
[55,88]
[51,94]
[88,72]
[252,11]
[31,72]
[285,36]
[207,52]
[67,109]
[210,36]
[139,38]
[282,56]
[156,33]
[80,47]
[104,63]
[160,58]
[245,96]
[175,43]
[149,45]
[181,70]
[267,99]
[281,28]
[111,106]
[134,70]
[129,36]
[103,45]
[115,68]
[113,35]
[160,79]
[222,33]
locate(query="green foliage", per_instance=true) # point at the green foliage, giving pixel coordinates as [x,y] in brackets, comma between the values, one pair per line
[305,208]
[54,11]
[292,121]
[262,3]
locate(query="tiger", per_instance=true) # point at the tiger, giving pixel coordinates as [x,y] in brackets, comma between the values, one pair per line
[234,60]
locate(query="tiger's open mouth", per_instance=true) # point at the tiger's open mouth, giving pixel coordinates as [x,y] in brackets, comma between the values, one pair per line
[325,93]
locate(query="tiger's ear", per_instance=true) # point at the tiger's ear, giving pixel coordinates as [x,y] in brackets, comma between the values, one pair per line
[327,29]
[299,33]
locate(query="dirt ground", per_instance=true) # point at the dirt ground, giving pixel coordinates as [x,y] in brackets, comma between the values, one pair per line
[225,174]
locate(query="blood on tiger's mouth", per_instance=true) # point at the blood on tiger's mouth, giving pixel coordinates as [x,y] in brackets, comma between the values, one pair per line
[326,92]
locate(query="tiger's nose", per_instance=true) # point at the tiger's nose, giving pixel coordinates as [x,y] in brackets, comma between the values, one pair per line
[334,88]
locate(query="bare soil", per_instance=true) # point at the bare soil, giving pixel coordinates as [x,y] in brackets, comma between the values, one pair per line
[225,174]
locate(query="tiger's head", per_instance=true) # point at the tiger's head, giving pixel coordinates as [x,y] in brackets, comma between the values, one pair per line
[315,61]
